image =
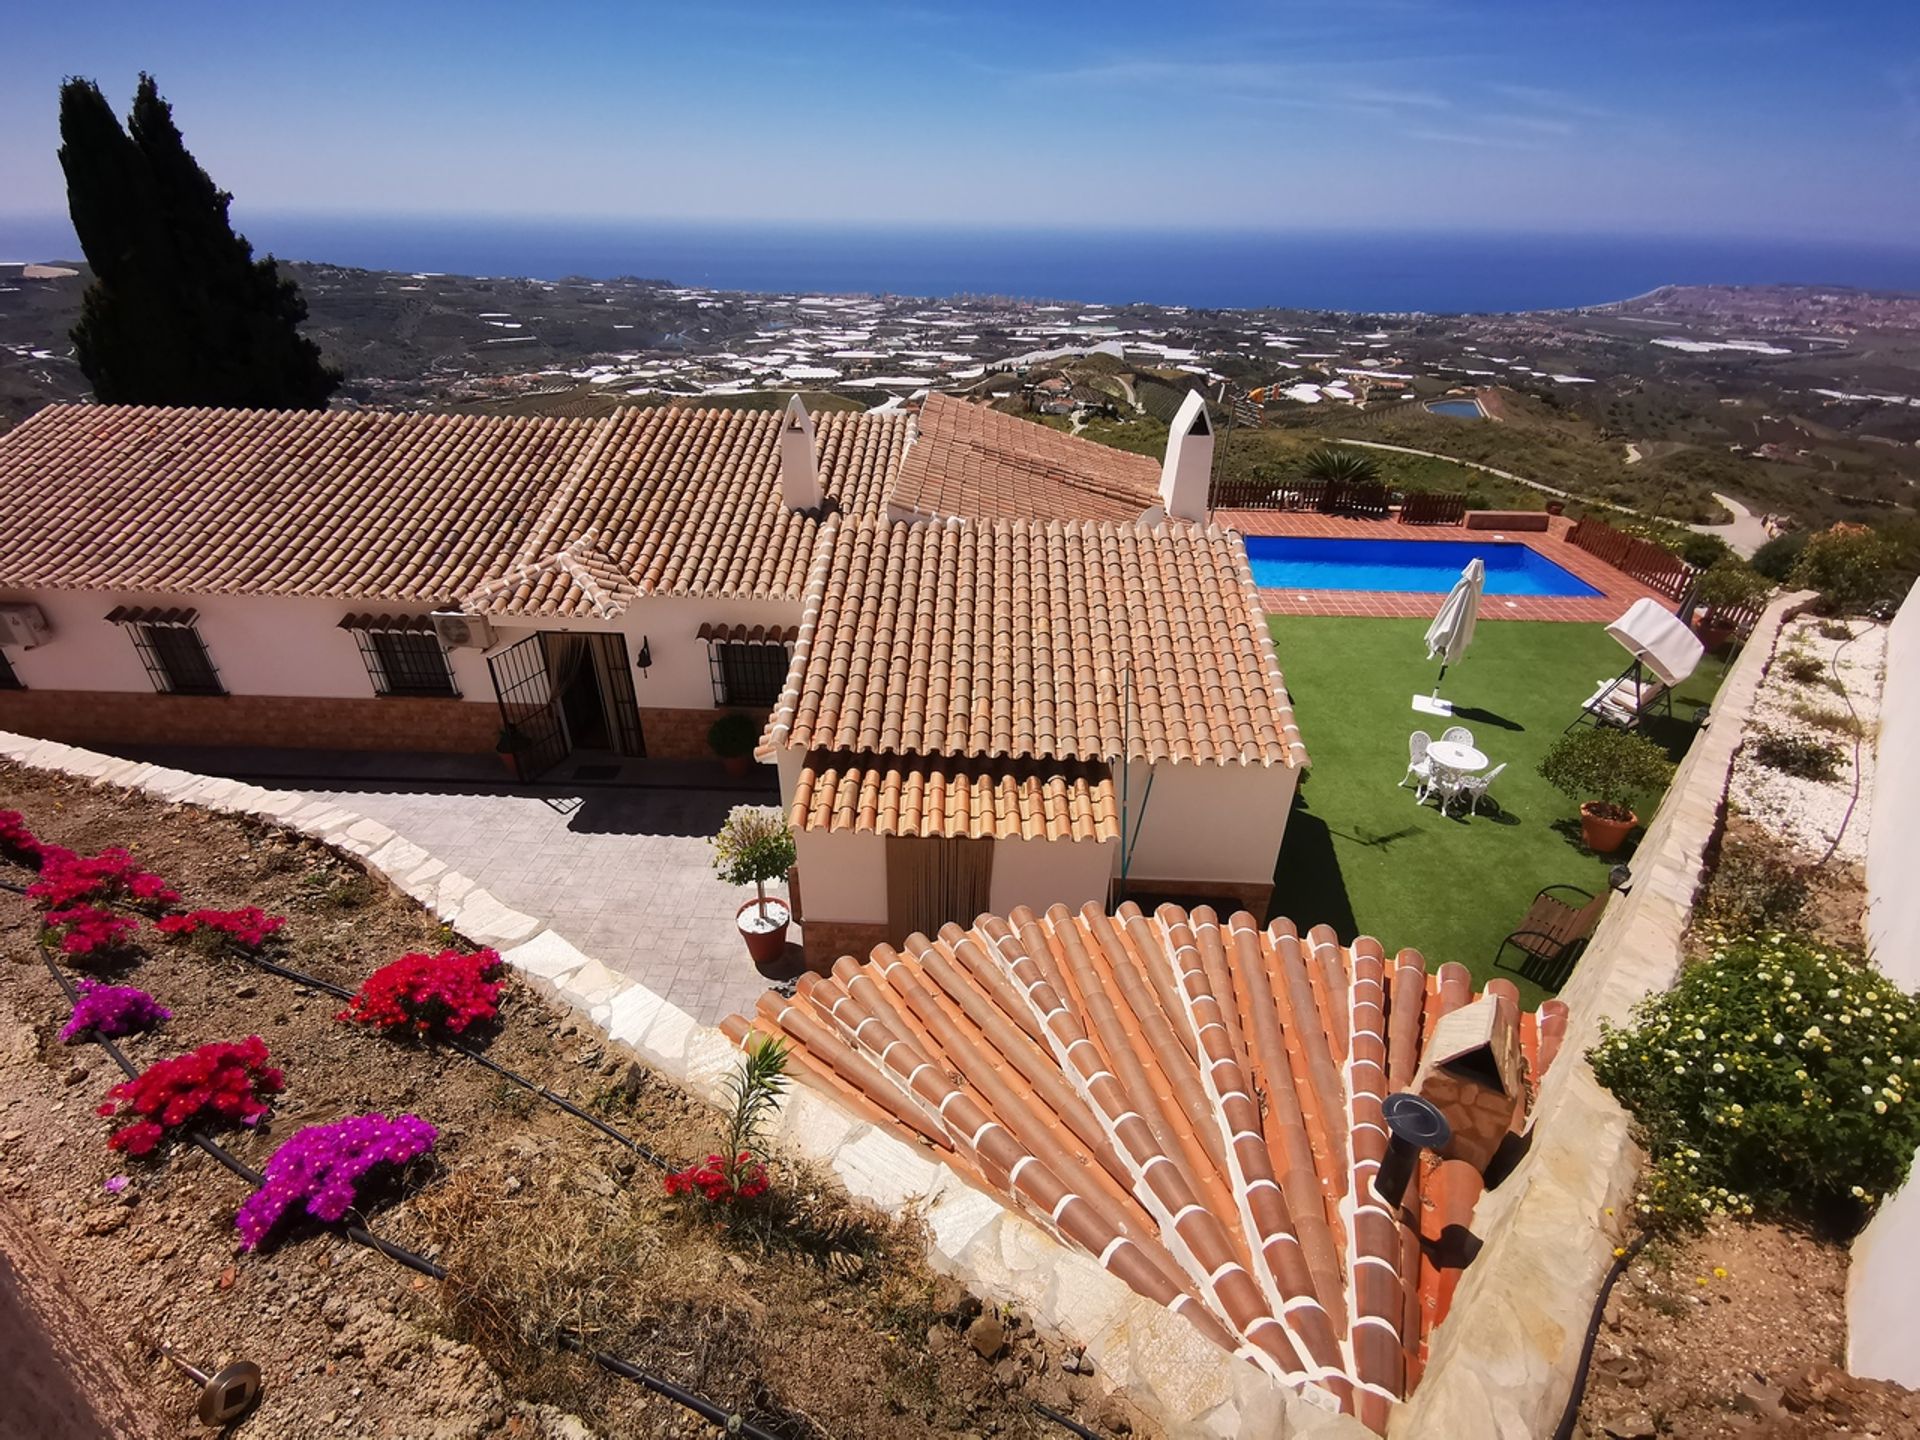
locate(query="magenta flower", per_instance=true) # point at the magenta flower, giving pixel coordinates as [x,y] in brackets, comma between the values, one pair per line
[112,1010]
[320,1168]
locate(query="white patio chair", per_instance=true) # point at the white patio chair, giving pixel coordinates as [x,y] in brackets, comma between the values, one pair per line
[1458,735]
[1442,780]
[1419,768]
[1474,788]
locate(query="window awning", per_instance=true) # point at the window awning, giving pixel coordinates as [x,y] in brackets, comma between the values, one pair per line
[413,624]
[150,615]
[749,634]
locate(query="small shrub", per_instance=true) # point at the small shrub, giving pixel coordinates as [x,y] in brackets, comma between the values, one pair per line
[1732,584]
[320,1167]
[1775,559]
[1703,551]
[1805,669]
[112,1011]
[1606,768]
[1773,1077]
[1835,630]
[1339,466]
[737,1171]
[444,993]
[1755,887]
[1851,567]
[249,927]
[220,1081]
[1840,722]
[1799,755]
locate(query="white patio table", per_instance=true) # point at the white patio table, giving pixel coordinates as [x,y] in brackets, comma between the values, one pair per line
[1455,756]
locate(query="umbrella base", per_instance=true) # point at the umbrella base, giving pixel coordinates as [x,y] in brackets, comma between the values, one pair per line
[1432,705]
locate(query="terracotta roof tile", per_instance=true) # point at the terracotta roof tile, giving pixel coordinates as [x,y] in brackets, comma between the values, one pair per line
[1055,641]
[377,505]
[1195,1103]
[973,461]
[744,634]
[963,799]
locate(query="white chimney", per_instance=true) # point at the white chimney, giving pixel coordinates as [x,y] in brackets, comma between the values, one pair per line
[1188,469]
[799,475]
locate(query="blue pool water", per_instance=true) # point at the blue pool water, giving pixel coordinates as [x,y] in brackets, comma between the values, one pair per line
[1459,409]
[1291,562]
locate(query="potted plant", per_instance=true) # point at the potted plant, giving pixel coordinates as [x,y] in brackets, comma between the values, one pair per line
[507,747]
[1605,770]
[1727,584]
[755,845]
[1556,507]
[732,737]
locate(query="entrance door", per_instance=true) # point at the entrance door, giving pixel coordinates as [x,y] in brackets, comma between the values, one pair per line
[930,882]
[528,706]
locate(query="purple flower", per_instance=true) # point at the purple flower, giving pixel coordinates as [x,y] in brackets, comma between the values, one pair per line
[112,1010]
[322,1165]
[115,1185]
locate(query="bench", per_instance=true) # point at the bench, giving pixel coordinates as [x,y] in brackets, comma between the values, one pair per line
[1552,936]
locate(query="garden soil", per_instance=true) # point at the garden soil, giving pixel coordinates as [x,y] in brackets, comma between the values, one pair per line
[813,1316]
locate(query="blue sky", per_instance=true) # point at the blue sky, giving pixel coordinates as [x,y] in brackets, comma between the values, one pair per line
[1681,117]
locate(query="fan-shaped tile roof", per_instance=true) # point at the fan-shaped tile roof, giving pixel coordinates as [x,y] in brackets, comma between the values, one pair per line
[1195,1103]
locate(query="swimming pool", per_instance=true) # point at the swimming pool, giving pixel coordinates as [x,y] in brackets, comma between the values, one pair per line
[1459,409]
[1295,562]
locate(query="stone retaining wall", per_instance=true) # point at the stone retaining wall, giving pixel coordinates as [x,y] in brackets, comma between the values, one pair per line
[1190,1385]
[1502,1363]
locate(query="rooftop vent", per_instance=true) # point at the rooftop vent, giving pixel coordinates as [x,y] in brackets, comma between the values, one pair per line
[799,472]
[1188,469]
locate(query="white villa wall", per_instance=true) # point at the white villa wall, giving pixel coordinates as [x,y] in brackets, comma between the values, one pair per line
[1883,1303]
[267,645]
[1208,822]
[843,877]
[1040,873]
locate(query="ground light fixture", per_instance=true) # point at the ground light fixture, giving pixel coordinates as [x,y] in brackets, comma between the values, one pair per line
[1414,1124]
[225,1395]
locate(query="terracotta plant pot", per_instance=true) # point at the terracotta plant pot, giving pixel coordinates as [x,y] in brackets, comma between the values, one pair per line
[1556,507]
[1604,836]
[765,946]
[509,762]
[737,765]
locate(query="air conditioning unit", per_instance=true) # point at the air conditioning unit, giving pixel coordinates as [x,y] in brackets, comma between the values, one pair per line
[462,632]
[24,625]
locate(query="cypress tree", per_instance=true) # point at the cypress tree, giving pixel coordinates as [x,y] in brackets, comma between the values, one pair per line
[179,312]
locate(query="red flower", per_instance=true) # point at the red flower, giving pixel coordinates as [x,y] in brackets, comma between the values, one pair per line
[217,1081]
[250,926]
[447,992]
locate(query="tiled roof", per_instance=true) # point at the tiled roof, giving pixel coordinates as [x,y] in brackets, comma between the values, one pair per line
[963,799]
[744,634]
[973,461]
[578,580]
[376,505]
[1196,1104]
[1056,641]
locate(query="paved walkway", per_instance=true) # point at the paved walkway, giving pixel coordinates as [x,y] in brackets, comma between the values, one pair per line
[625,874]
[1744,534]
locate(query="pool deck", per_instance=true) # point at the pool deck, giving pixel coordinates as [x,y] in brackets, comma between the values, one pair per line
[1617,590]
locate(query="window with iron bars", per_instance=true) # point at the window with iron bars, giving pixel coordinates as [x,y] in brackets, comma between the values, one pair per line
[175,656]
[748,672]
[8,679]
[407,660]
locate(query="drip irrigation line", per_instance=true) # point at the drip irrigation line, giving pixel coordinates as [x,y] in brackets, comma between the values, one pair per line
[1570,1417]
[1065,1422]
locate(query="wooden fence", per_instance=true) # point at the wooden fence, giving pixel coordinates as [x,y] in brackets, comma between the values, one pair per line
[1324,497]
[1657,568]
[1421,507]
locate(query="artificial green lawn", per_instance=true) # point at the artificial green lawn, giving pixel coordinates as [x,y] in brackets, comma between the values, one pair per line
[1362,857]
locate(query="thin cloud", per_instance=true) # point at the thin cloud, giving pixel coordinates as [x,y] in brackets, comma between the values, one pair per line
[1556,101]
[1478,138]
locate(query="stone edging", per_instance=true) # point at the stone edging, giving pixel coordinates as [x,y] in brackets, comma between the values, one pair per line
[1163,1363]
[1502,1363]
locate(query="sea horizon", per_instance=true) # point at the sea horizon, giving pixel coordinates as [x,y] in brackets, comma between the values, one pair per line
[1354,271]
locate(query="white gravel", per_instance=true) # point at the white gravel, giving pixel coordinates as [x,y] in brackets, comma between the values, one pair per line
[1807,814]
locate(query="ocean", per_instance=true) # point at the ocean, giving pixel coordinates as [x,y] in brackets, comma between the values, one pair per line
[1314,270]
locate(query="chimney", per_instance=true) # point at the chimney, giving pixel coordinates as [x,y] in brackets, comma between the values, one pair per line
[1188,469]
[799,475]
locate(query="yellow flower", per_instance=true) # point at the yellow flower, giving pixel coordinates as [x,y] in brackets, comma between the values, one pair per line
[1719,1272]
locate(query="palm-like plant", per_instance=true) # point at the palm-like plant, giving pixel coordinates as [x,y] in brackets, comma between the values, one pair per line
[1333,465]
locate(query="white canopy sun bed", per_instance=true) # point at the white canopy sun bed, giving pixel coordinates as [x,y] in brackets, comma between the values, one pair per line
[1664,652]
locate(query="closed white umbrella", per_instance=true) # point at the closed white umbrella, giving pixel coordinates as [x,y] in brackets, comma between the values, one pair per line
[1452,631]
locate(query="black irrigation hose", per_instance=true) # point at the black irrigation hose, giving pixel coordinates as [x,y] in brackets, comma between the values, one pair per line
[1570,1417]
[652,1157]
[1066,1422]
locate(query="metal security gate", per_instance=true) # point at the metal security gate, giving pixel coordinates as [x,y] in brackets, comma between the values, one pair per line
[529,709]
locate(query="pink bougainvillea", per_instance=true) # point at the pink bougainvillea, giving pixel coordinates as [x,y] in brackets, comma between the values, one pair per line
[446,992]
[320,1167]
[219,1082]
[113,1010]
[250,926]
[87,930]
